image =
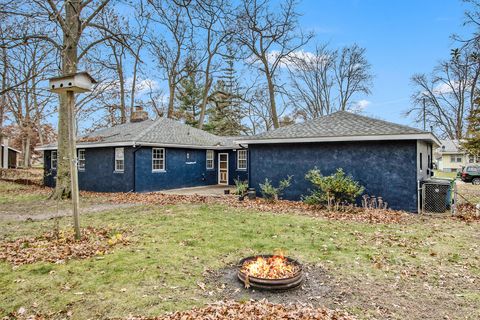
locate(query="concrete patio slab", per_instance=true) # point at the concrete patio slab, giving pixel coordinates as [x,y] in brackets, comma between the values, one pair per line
[215,190]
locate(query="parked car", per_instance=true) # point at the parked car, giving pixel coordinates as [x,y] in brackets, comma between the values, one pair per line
[471,173]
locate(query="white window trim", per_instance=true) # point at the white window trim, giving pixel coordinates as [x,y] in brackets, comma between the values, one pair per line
[238,159]
[164,161]
[123,159]
[51,159]
[78,160]
[212,159]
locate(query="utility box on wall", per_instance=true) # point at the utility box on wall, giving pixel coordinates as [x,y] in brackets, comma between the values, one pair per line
[76,82]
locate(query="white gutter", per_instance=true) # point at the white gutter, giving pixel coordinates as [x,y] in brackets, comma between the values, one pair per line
[421,136]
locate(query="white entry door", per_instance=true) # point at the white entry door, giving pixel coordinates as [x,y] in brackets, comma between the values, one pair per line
[223,168]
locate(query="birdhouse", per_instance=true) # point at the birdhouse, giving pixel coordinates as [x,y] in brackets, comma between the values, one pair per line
[76,82]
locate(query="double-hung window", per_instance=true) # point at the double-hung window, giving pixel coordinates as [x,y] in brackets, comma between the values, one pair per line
[210,159]
[119,160]
[81,159]
[158,159]
[53,160]
[242,159]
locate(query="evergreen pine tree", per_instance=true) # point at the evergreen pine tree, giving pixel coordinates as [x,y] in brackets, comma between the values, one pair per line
[189,95]
[224,113]
[472,143]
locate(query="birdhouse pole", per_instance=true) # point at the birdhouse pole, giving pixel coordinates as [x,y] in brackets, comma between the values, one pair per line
[69,84]
[72,148]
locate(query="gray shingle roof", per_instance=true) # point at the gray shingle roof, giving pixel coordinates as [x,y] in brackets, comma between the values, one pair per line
[169,131]
[338,124]
[450,146]
[160,131]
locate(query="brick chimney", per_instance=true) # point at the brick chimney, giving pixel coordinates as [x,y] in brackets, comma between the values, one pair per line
[138,115]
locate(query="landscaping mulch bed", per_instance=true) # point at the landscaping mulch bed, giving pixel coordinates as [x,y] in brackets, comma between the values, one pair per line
[58,248]
[280,206]
[231,310]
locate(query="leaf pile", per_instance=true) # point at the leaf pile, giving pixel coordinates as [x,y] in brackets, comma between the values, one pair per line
[467,212]
[231,310]
[57,248]
[280,206]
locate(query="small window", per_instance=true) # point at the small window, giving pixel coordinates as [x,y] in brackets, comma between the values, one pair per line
[81,159]
[53,160]
[471,159]
[459,159]
[421,161]
[158,159]
[119,160]
[210,162]
[242,159]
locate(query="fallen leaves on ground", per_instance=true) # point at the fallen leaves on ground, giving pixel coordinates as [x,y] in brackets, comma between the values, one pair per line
[280,206]
[262,309]
[59,247]
[467,212]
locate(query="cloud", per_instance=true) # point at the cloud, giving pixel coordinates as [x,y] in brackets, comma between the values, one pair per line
[289,61]
[360,105]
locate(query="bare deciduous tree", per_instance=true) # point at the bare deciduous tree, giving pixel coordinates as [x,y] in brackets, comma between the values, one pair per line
[269,36]
[448,94]
[175,47]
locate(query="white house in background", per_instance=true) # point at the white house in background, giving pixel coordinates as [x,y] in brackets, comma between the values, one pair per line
[451,158]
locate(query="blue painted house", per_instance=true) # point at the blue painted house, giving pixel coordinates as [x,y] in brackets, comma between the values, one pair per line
[151,155]
[388,159]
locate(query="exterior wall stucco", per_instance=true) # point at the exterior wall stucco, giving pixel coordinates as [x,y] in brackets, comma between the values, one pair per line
[384,168]
[99,174]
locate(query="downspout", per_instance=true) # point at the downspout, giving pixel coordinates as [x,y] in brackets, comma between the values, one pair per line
[135,166]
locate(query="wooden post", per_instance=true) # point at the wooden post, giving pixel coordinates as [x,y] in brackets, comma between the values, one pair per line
[72,147]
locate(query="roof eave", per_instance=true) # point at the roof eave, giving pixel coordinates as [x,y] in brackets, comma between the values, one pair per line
[417,136]
[139,143]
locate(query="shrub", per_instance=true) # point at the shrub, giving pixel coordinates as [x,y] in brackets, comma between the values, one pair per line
[272,193]
[334,190]
[241,187]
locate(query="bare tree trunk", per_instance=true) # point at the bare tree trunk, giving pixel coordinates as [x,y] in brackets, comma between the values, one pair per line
[71,36]
[171,100]
[206,89]
[273,105]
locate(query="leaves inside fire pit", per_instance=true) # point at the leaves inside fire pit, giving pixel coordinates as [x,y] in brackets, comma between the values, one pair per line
[254,310]
[274,267]
[51,247]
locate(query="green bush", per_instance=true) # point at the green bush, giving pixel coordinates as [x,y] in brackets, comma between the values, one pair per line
[272,193]
[334,190]
[241,187]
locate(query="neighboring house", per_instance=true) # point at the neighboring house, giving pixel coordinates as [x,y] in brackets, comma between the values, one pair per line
[451,158]
[8,159]
[386,158]
[147,155]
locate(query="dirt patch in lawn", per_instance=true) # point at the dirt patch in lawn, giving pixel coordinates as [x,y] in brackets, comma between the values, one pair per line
[45,210]
[408,296]
[315,289]
[57,247]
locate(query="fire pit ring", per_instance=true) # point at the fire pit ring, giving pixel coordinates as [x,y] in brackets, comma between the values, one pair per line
[270,284]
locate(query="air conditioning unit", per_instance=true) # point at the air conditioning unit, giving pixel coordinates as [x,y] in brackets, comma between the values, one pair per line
[436,196]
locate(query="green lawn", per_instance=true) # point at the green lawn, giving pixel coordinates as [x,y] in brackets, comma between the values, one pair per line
[441,174]
[399,267]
